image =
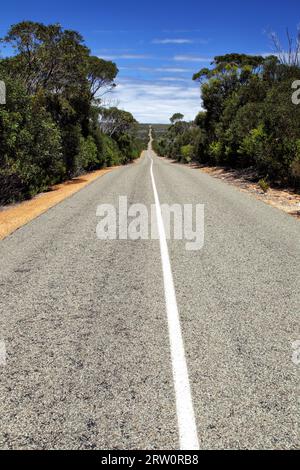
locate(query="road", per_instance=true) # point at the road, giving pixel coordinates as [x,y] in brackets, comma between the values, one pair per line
[85,325]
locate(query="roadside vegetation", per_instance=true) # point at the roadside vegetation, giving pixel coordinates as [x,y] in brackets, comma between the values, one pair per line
[54,125]
[248,119]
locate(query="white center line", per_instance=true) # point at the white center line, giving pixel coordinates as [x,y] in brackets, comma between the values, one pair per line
[185,412]
[2,353]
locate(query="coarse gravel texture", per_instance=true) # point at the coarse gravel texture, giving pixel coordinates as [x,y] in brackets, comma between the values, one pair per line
[84,322]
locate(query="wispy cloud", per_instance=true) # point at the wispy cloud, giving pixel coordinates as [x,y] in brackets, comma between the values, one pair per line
[113,51]
[173,41]
[126,56]
[172,69]
[174,79]
[157,69]
[190,58]
[156,101]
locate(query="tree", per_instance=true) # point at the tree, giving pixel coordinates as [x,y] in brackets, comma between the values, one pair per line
[48,57]
[114,121]
[176,117]
[248,117]
[101,75]
[49,127]
[30,145]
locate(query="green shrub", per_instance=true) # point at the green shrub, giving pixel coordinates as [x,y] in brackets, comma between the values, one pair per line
[30,147]
[253,144]
[215,151]
[187,153]
[264,185]
[111,152]
[88,155]
[295,165]
[127,147]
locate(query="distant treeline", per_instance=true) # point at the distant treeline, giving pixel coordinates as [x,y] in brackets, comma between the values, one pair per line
[249,119]
[53,126]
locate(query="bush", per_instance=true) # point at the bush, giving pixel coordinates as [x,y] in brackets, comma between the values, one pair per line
[187,153]
[98,140]
[253,144]
[264,185]
[71,134]
[111,153]
[30,146]
[127,147]
[88,155]
[215,151]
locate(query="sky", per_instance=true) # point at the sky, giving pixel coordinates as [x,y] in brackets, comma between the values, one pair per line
[158,45]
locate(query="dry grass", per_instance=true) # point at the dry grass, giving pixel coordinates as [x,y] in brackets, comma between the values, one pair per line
[14,216]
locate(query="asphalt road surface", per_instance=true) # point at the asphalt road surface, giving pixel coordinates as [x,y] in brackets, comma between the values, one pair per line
[88,338]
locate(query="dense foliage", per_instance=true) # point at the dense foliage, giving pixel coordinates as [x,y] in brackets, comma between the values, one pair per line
[249,119]
[53,126]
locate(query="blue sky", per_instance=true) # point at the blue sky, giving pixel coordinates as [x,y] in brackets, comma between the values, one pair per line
[159,44]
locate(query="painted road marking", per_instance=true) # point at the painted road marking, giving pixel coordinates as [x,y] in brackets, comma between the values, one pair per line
[184,405]
[2,353]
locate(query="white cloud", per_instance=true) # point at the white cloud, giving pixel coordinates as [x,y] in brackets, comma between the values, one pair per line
[155,101]
[126,56]
[158,69]
[172,41]
[172,69]
[190,58]
[174,79]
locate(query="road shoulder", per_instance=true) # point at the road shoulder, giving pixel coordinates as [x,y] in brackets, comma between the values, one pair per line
[286,200]
[15,216]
